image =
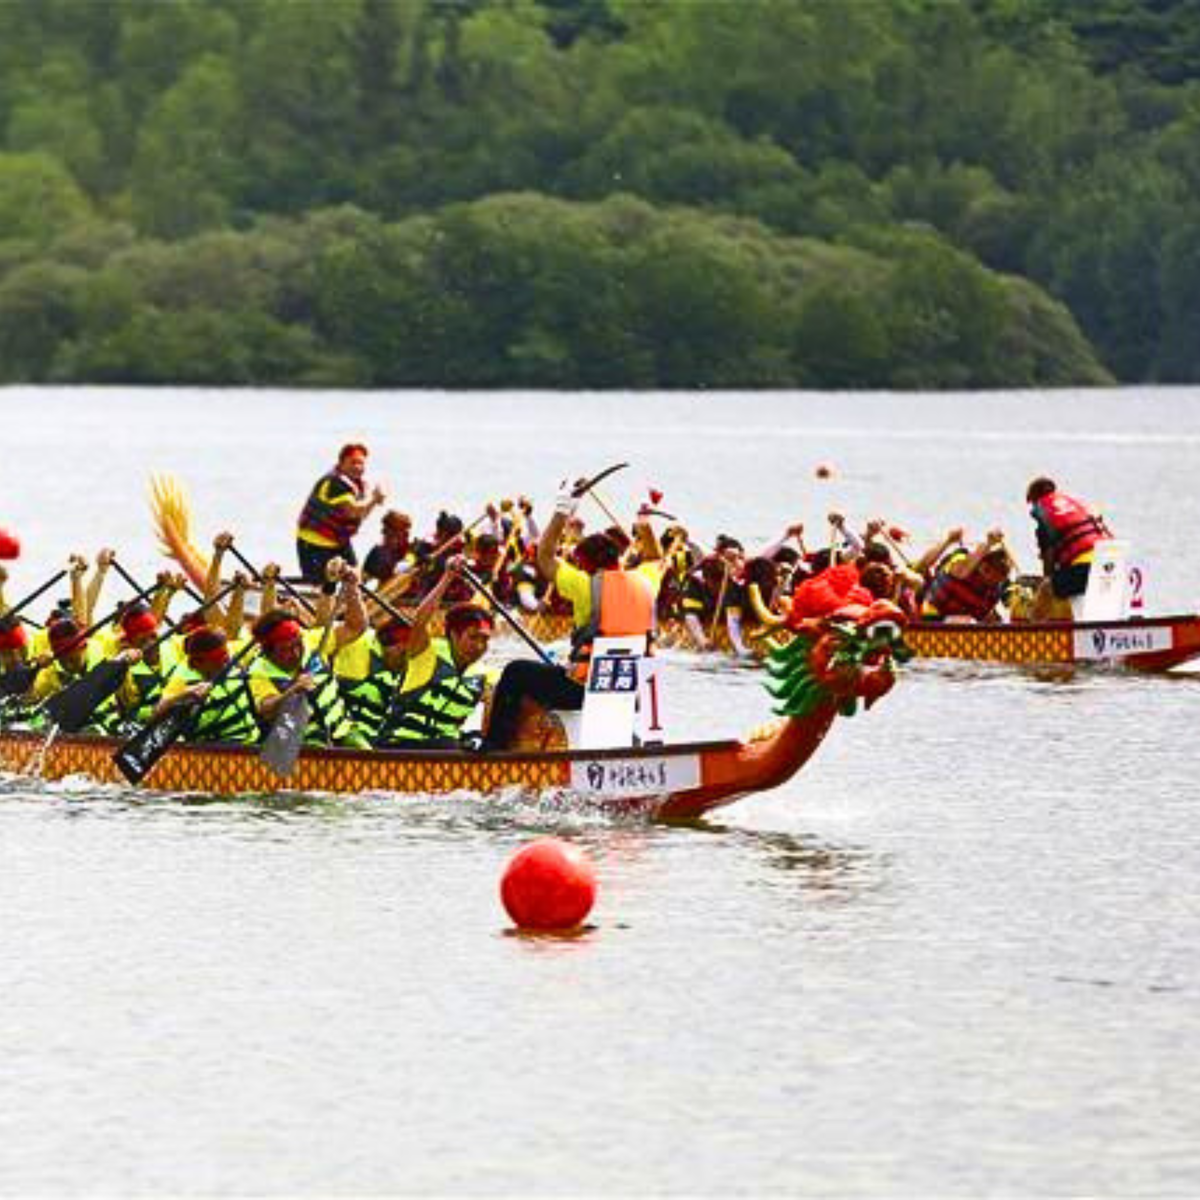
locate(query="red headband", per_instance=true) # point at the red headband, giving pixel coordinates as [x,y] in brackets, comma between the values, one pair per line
[278,635]
[213,656]
[136,623]
[13,638]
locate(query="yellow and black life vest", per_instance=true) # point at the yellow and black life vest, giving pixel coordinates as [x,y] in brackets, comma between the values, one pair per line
[436,710]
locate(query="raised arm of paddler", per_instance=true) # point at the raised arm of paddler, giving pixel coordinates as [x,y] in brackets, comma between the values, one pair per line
[165,589]
[418,638]
[354,613]
[929,559]
[644,536]
[326,601]
[104,561]
[235,616]
[270,586]
[529,521]
[966,566]
[212,581]
[78,569]
[565,504]
[792,531]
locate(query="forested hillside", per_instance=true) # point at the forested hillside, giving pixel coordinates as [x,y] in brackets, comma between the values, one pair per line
[600,193]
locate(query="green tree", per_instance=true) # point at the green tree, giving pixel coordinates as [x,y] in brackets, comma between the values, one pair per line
[38,199]
[38,310]
[188,169]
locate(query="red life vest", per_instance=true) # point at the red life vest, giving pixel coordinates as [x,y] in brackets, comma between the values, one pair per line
[962,596]
[332,521]
[1070,528]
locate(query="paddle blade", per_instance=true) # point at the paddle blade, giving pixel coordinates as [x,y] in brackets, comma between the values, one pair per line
[137,757]
[71,708]
[281,747]
[17,681]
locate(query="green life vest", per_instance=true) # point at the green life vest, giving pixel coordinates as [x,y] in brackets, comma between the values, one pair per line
[369,699]
[330,723]
[227,714]
[148,682]
[437,710]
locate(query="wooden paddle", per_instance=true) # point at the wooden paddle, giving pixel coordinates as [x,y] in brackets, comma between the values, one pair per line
[136,758]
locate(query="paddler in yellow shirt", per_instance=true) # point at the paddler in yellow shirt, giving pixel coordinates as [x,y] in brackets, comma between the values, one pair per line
[293,659]
[445,680]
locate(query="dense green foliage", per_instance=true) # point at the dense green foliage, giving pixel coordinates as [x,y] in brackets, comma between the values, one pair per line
[595,193]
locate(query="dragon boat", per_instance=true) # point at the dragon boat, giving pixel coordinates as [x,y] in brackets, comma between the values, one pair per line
[1149,644]
[829,667]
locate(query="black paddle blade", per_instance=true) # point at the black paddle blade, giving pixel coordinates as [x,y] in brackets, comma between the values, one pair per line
[137,757]
[283,743]
[17,681]
[71,708]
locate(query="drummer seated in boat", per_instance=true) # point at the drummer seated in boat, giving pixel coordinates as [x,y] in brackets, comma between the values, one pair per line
[969,585]
[445,680]
[606,600]
[221,698]
[292,660]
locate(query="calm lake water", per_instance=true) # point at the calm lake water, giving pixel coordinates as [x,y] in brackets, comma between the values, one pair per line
[958,955]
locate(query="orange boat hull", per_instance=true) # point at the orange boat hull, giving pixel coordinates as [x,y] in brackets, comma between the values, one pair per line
[662,782]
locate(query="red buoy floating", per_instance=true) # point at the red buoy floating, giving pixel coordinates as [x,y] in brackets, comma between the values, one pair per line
[10,546]
[548,885]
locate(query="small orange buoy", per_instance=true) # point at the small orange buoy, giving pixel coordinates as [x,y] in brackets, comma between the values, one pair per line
[548,885]
[824,471]
[10,545]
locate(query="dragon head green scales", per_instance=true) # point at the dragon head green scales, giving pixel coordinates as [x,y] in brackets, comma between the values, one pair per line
[842,658]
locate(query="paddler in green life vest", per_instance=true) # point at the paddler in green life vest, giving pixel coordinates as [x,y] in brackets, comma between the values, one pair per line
[445,681]
[370,671]
[134,701]
[606,599]
[225,706]
[337,505]
[292,659]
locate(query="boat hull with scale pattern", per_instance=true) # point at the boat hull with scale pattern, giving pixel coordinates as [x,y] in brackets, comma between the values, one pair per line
[661,782]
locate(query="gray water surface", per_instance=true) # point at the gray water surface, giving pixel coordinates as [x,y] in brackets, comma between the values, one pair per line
[958,955]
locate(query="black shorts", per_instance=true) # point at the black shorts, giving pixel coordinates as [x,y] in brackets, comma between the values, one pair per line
[1066,582]
[314,558]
